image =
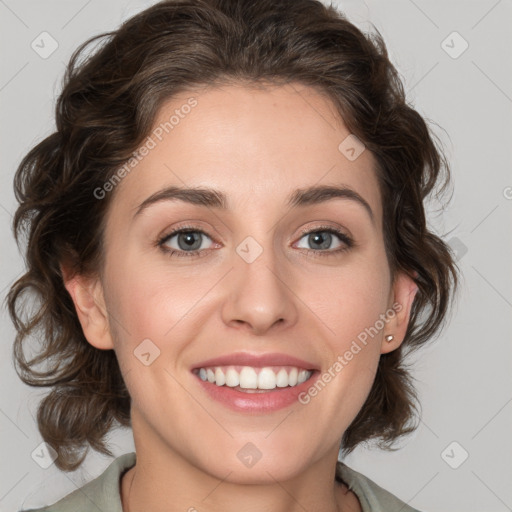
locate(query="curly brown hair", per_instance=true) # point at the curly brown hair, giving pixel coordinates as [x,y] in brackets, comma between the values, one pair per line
[107,107]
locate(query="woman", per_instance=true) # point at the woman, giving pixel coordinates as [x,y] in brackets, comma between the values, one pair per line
[228,232]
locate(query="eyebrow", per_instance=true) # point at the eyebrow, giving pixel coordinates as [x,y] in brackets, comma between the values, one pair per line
[212,198]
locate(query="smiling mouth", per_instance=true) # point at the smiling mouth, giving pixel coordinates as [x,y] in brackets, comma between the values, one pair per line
[250,379]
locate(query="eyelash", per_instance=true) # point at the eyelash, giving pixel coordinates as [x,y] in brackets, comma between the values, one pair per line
[348,241]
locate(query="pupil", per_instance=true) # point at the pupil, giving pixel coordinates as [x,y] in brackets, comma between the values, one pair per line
[190,239]
[318,238]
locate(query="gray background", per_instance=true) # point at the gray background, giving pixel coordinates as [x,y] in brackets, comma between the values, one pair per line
[464,377]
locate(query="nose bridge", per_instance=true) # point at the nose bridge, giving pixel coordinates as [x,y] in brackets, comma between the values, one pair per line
[260,296]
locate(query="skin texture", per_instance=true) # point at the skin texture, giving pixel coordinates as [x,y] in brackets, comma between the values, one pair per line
[257,146]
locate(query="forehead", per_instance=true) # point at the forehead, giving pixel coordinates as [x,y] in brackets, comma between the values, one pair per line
[257,144]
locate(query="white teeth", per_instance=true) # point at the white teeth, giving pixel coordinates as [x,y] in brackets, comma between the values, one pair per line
[303,376]
[232,378]
[292,377]
[250,378]
[266,379]
[282,378]
[220,378]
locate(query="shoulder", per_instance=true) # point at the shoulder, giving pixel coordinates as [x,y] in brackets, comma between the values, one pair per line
[372,497]
[102,493]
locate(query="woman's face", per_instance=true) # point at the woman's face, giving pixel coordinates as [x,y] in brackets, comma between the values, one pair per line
[269,277]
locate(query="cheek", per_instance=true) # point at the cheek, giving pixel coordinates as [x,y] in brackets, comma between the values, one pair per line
[349,301]
[351,304]
[148,301]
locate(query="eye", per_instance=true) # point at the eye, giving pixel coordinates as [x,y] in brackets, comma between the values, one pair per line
[188,241]
[185,241]
[321,239]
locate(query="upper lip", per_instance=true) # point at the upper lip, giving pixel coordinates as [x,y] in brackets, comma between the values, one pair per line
[256,360]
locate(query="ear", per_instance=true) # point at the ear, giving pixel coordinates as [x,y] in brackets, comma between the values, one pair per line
[87,295]
[401,298]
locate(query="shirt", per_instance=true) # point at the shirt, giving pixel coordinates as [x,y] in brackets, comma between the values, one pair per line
[103,493]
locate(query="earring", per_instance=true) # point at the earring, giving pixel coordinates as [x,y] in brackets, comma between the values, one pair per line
[389,338]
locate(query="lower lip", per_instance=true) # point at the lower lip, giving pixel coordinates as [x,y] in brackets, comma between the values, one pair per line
[269,401]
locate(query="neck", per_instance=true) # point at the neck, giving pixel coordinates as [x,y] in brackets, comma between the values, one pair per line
[152,487]
[166,480]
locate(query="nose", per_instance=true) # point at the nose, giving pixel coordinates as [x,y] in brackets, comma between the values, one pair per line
[258,297]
